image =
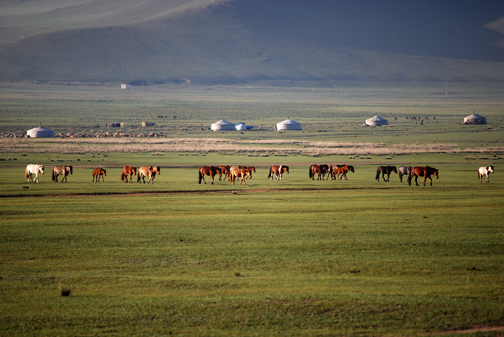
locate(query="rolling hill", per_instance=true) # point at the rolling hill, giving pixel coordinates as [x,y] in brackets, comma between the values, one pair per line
[226,41]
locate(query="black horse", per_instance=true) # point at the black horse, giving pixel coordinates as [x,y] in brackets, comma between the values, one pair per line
[385,170]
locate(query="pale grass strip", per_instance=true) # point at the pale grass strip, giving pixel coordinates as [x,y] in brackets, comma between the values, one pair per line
[202,145]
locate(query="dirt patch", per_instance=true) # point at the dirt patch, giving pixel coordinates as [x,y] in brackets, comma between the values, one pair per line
[476,328]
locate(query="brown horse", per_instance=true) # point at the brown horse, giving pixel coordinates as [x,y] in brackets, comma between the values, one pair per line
[128,171]
[63,170]
[224,171]
[208,171]
[385,170]
[278,171]
[239,173]
[99,172]
[150,172]
[320,170]
[423,171]
[340,171]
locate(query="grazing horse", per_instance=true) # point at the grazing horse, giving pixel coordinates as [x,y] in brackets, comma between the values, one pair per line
[224,171]
[239,173]
[99,172]
[423,171]
[63,170]
[404,171]
[128,171]
[33,169]
[278,171]
[385,170]
[321,170]
[340,172]
[208,171]
[150,172]
[482,171]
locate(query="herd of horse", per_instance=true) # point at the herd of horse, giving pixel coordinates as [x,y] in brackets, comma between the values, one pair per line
[338,172]
[334,171]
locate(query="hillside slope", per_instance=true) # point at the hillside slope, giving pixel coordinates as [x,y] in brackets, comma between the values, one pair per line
[209,41]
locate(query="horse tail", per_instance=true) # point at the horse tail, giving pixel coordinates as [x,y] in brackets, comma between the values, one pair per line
[377,175]
[122,175]
[200,176]
[53,176]
[311,172]
[26,173]
[138,175]
[269,174]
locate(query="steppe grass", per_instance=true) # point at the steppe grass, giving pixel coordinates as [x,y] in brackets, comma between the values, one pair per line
[335,258]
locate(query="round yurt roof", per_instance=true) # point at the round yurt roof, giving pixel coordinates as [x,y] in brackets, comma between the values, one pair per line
[376,121]
[475,119]
[241,127]
[289,124]
[40,132]
[223,125]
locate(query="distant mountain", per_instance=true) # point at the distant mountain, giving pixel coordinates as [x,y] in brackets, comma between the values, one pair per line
[226,41]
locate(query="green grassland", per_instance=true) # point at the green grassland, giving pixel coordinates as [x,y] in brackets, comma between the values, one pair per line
[295,257]
[299,258]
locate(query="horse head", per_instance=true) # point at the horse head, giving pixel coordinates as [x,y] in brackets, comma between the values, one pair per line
[285,169]
[490,169]
[157,169]
[394,169]
[436,173]
[69,169]
[104,172]
[41,169]
[351,168]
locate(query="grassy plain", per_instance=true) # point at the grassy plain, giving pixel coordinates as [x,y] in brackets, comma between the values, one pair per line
[295,257]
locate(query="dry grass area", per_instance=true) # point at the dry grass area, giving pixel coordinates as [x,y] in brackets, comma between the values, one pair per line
[201,145]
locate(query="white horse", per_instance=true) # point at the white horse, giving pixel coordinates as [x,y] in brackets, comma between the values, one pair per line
[33,169]
[485,171]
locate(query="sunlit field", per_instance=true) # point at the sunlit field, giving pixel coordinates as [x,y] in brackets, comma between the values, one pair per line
[296,257]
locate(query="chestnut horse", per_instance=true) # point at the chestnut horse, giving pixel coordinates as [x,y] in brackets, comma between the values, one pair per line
[404,171]
[33,169]
[128,171]
[385,170]
[321,170]
[278,171]
[423,171]
[239,173]
[208,171]
[224,171]
[150,172]
[63,170]
[340,172]
[99,172]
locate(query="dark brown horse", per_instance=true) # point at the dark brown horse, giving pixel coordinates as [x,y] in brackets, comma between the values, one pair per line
[278,171]
[404,171]
[148,171]
[320,170]
[224,171]
[63,170]
[208,171]
[237,172]
[423,171]
[339,172]
[385,170]
[128,171]
[99,172]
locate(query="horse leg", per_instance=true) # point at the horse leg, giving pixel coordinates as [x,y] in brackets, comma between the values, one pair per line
[416,180]
[212,179]
[430,180]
